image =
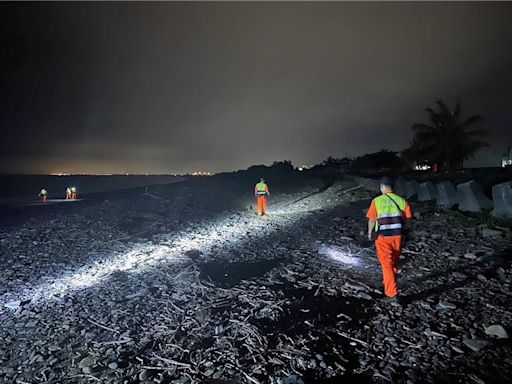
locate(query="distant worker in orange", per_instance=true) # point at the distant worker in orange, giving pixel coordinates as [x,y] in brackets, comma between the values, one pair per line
[43,194]
[68,193]
[387,216]
[74,193]
[261,192]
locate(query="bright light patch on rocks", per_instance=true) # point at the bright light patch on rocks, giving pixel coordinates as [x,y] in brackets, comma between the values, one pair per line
[171,249]
[340,254]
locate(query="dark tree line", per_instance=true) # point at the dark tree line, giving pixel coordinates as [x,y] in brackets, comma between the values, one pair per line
[446,141]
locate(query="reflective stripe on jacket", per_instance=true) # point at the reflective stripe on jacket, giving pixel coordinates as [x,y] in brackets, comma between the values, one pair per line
[390,211]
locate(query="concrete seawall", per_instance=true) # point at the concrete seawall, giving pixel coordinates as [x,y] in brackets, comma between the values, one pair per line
[467,197]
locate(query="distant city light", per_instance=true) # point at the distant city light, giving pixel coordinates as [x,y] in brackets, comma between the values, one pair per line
[201,173]
[113,174]
[506,162]
[422,167]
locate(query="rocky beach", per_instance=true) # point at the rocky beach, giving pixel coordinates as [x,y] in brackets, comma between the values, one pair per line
[185,284]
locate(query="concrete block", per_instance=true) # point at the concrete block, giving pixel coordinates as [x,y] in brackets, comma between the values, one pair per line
[411,188]
[426,191]
[447,195]
[502,199]
[471,197]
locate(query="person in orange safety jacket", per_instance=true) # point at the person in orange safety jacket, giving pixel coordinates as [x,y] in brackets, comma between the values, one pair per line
[261,192]
[387,215]
[43,194]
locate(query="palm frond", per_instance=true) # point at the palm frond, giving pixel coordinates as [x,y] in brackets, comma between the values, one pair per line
[456,111]
[443,108]
[472,120]
[477,133]
[422,127]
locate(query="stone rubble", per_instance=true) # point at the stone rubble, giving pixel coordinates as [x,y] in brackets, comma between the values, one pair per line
[221,295]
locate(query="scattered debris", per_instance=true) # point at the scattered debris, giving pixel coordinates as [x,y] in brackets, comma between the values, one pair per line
[291,298]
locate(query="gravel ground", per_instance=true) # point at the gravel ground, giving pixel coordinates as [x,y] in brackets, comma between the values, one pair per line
[191,288]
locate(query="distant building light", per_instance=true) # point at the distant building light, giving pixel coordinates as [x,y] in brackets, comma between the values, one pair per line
[422,167]
[506,162]
[201,173]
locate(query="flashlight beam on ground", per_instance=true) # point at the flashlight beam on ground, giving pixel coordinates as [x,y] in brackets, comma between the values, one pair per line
[171,249]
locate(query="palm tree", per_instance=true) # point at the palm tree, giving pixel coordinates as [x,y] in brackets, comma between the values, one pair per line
[446,141]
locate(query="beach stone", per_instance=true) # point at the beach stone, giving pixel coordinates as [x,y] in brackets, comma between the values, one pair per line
[447,196]
[492,260]
[471,197]
[497,330]
[87,362]
[217,375]
[355,286]
[475,344]
[488,232]
[144,375]
[426,191]
[470,256]
[502,200]
[447,305]
[13,304]
[457,349]
[292,379]
[411,188]
[184,380]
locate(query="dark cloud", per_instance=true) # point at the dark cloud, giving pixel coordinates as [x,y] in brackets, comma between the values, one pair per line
[173,87]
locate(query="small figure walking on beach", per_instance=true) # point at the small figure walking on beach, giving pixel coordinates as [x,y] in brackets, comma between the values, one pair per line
[386,216]
[68,193]
[261,192]
[43,194]
[74,194]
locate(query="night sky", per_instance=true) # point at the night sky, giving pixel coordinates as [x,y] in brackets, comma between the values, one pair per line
[179,87]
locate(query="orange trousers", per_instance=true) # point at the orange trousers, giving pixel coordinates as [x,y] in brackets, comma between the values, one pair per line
[388,252]
[262,204]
